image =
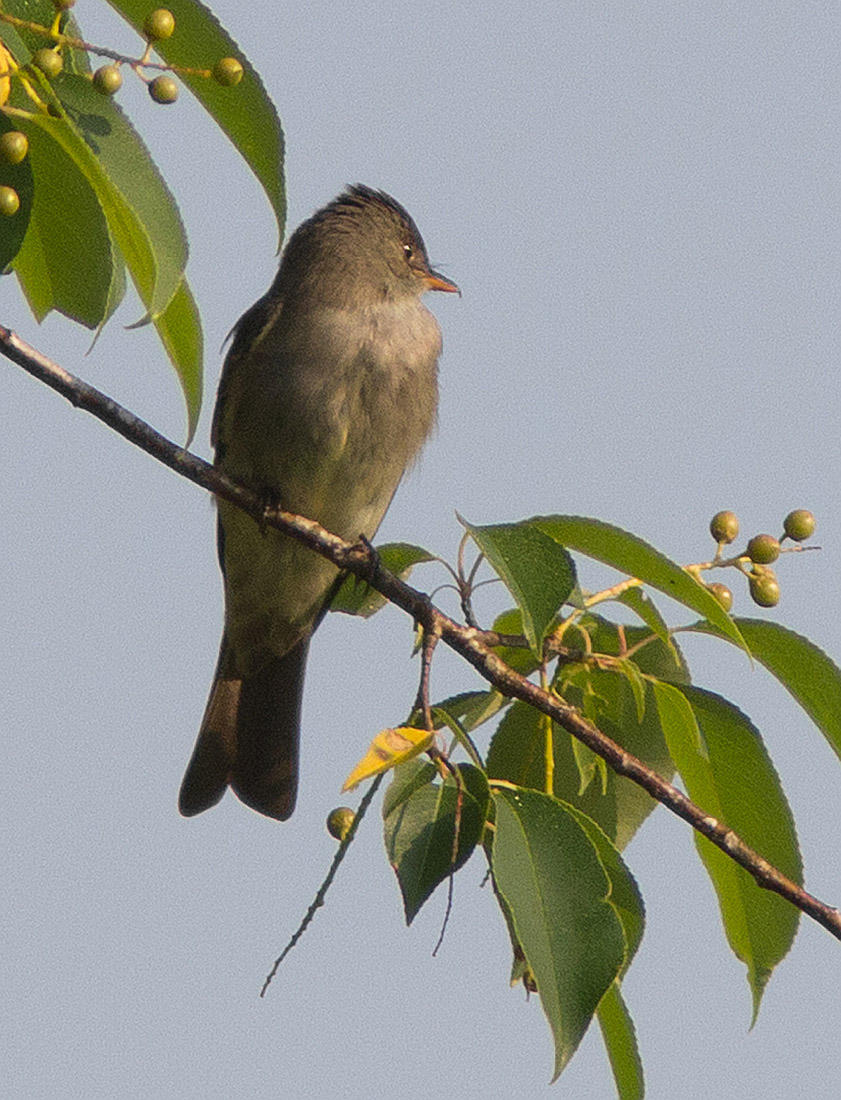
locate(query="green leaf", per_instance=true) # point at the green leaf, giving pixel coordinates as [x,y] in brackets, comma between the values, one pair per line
[142,219]
[179,329]
[472,708]
[549,873]
[632,674]
[67,260]
[131,171]
[407,779]
[356,597]
[636,558]
[537,572]
[517,754]
[802,668]
[591,767]
[463,713]
[420,826]
[462,737]
[245,112]
[18,176]
[625,896]
[617,715]
[126,228]
[620,1041]
[729,774]
[12,39]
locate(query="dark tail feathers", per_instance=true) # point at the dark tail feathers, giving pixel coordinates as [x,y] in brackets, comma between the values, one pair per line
[249,738]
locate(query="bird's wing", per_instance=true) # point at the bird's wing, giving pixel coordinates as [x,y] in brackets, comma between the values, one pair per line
[244,336]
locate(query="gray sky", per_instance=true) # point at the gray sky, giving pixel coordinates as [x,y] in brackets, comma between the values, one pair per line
[640,203]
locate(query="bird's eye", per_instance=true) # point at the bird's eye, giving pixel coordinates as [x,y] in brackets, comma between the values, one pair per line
[408,252]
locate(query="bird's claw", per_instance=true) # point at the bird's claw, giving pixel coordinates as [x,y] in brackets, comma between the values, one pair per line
[269,502]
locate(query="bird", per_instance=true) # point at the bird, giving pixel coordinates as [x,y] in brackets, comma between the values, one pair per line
[327,394]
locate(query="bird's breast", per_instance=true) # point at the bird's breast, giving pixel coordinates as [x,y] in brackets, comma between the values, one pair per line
[375,396]
[335,407]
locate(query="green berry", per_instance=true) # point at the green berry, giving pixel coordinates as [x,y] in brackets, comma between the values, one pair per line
[764,589]
[724,527]
[339,822]
[163,89]
[9,201]
[227,71]
[799,525]
[48,61]
[108,79]
[159,24]
[13,146]
[723,594]
[763,549]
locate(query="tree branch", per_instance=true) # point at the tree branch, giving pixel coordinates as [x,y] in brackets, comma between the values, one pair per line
[468,642]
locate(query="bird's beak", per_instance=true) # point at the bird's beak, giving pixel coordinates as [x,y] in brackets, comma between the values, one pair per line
[436,281]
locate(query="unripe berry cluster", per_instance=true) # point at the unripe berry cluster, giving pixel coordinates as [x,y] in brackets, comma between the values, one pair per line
[158,26]
[758,556]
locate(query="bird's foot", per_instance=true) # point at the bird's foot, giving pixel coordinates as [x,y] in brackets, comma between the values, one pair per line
[373,561]
[269,502]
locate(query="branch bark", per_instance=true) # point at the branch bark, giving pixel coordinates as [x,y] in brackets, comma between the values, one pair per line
[470,643]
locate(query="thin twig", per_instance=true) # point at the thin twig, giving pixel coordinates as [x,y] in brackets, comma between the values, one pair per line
[430,641]
[465,584]
[741,560]
[318,900]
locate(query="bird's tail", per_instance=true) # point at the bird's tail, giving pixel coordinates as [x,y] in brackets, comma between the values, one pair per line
[249,737]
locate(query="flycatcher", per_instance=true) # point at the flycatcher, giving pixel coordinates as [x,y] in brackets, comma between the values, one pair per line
[328,392]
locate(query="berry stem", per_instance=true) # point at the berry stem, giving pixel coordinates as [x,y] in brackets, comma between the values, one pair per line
[27,25]
[739,560]
[102,51]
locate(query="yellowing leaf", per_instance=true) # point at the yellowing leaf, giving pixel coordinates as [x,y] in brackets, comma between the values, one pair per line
[388,749]
[5,69]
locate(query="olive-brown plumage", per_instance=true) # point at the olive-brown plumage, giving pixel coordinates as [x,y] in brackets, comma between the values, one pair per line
[327,395]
